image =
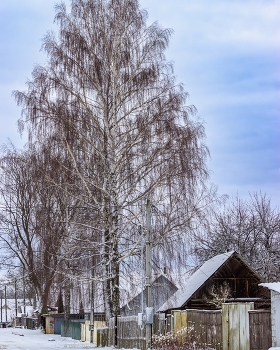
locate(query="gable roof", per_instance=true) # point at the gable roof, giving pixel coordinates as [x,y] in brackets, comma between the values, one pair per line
[162,289]
[196,281]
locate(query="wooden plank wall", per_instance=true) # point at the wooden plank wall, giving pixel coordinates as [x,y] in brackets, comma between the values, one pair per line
[130,335]
[260,329]
[240,328]
[160,325]
[236,327]
[202,326]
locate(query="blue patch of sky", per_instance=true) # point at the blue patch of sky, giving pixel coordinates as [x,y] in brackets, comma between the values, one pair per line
[233,80]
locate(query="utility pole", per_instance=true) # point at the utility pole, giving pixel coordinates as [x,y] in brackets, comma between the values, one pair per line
[24,301]
[16,305]
[1,291]
[6,307]
[149,312]
[92,300]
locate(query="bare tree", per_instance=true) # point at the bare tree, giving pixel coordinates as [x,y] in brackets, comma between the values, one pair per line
[108,98]
[251,227]
[32,219]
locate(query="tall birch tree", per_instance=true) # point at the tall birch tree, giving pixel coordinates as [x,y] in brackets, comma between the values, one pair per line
[109,98]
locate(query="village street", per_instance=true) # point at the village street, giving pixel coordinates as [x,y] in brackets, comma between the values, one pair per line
[26,339]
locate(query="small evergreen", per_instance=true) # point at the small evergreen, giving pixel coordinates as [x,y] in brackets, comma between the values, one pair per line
[81,310]
[59,304]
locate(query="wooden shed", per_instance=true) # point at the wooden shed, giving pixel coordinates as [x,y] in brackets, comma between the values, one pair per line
[228,270]
[162,290]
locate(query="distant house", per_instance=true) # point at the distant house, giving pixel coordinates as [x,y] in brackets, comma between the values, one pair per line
[6,307]
[162,290]
[228,269]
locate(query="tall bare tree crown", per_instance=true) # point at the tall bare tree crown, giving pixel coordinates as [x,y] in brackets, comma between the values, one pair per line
[113,118]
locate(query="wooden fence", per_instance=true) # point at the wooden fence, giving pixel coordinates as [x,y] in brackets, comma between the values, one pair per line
[202,326]
[260,329]
[162,324]
[235,320]
[71,329]
[129,334]
[236,327]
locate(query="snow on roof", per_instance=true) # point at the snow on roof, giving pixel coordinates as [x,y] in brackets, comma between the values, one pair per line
[272,286]
[129,290]
[195,281]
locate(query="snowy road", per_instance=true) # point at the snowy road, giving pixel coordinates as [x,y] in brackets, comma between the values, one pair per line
[25,339]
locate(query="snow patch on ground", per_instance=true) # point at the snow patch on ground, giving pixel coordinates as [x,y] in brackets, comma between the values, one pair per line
[26,339]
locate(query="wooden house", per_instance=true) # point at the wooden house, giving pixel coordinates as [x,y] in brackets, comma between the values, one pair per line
[226,278]
[162,290]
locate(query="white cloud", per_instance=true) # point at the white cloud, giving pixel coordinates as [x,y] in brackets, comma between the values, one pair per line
[241,25]
[248,24]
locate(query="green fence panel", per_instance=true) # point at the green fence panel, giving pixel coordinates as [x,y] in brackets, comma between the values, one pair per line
[66,330]
[71,329]
[76,330]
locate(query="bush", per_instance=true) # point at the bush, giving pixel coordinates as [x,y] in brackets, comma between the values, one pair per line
[180,340]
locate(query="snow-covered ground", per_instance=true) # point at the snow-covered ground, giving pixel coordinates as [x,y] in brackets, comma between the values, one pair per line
[26,339]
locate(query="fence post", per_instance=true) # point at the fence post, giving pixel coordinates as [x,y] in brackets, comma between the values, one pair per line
[116,331]
[225,326]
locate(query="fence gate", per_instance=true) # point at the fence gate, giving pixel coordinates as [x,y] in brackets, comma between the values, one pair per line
[235,323]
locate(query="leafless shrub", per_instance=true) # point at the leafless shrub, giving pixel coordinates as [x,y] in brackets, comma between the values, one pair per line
[217,295]
[180,340]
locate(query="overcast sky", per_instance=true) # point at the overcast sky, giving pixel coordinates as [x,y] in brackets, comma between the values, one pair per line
[227,54]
